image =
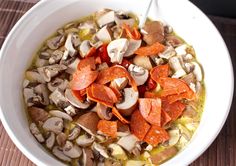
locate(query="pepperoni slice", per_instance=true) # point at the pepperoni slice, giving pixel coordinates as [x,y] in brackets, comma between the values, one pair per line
[102,94]
[108,127]
[119,116]
[156,135]
[88,61]
[159,71]
[174,110]
[190,95]
[150,50]
[138,126]
[151,110]
[109,74]
[83,78]
[165,118]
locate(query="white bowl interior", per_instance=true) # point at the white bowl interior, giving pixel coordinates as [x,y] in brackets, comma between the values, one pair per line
[47,16]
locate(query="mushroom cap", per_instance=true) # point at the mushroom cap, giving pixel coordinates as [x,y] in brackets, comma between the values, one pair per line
[116,49]
[105,17]
[133,46]
[128,142]
[72,150]
[88,157]
[84,140]
[53,124]
[139,74]
[74,101]
[35,131]
[99,148]
[74,133]
[61,114]
[59,154]
[38,114]
[127,106]
[103,111]
[88,122]
[142,61]
[51,140]
[61,139]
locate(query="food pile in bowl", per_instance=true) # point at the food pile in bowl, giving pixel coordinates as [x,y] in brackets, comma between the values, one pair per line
[101,91]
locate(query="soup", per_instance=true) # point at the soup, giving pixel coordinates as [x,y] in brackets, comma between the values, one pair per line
[101,91]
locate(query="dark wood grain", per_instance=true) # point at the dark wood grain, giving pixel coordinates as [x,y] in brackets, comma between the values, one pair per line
[221,153]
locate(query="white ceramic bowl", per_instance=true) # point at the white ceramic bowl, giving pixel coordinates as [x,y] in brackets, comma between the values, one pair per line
[45,17]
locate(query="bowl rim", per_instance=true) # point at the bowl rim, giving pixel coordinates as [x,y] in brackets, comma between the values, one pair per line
[33,157]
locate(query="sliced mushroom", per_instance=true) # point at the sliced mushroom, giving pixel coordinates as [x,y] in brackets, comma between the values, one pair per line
[120,22]
[173,40]
[128,104]
[53,124]
[122,129]
[189,67]
[133,46]
[55,42]
[185,136]
[128,142]
[30,97]
[51,140]
[112,162]
[197,71]
[74,101]
[41,62]
[47,72]
[41,90]
[139,74]
[57,83]
[38,114]
[104,34]
[70,110]
[103,111]
[118,32]
[117,152]
[188,57]
[100,149]
[175,65]
[61,114]
[58,98]
[61,139]
[181,50]
[84,140]
[88,158]
[55,57]
[157,60]
[174,136]
[167,53]
[119,83]
[142,61]
[59,154]
[164,155]
[74,133]
[84,48]
[154,32]
[89,122]
[35,131]
[34,76]
[71,150]
[189,78]
[116,49]
[69,45]
[105,18]
[72,66]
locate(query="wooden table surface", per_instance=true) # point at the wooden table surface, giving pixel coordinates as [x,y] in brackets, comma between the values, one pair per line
[221,153]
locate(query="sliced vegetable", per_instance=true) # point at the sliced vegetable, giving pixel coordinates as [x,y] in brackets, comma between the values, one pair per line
[109,74]
[150,50]
[138,126]
[83,78]
[108,127]
[156,135]
[151,110]
[119,116]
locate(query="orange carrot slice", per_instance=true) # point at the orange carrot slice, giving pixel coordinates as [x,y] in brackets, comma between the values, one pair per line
[138,126]
[109,74]
[108,127]
[159,71]
[89,61]
[150,50]
[119,116]
[174,110]
[83,78]
[156,135]
[151,110]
